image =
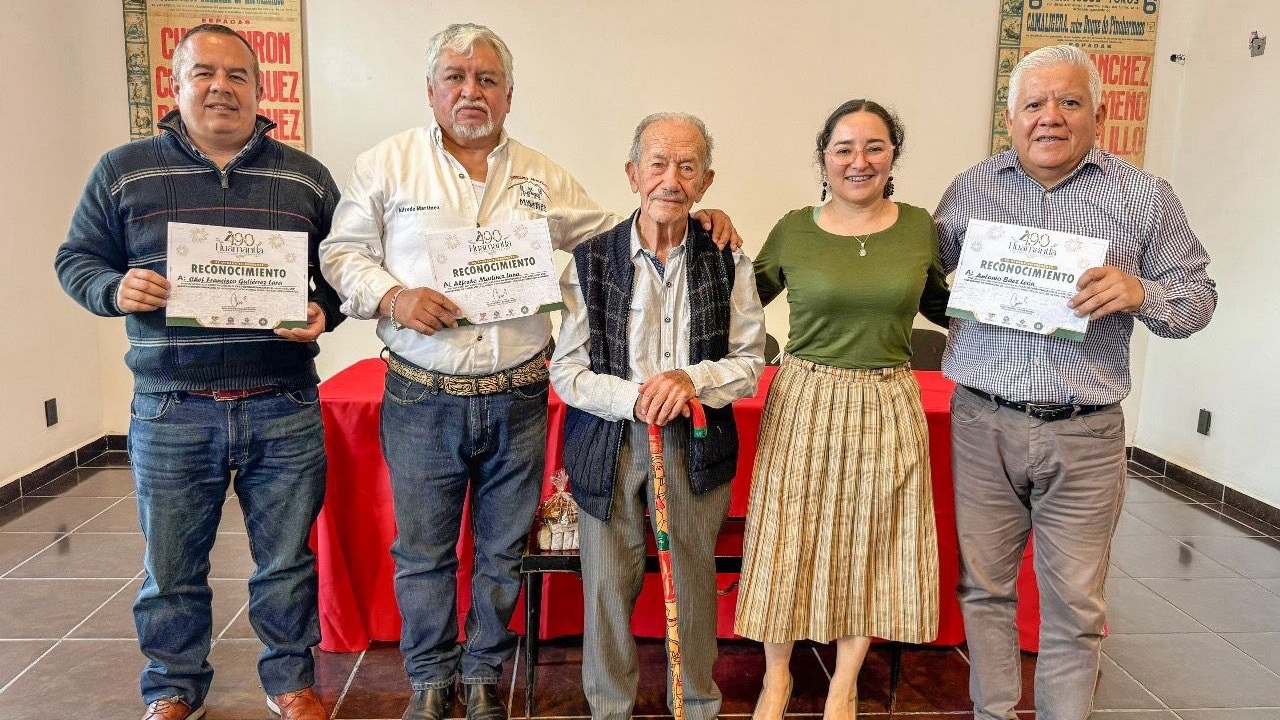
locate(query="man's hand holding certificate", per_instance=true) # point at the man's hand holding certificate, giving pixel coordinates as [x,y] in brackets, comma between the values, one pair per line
[1023,278]
[496,272]
[236,278]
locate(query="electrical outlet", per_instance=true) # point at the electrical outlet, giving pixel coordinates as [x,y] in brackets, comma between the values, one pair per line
[1202,423]
[51,412]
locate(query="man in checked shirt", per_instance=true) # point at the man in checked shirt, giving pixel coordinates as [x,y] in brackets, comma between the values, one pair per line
[1037,431]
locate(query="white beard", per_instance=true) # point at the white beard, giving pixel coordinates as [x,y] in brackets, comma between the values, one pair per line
[473,132]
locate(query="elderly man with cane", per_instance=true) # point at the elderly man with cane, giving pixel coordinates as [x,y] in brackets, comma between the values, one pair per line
[655,315]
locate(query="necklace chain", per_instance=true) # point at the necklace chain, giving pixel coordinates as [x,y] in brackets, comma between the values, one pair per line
[862,243]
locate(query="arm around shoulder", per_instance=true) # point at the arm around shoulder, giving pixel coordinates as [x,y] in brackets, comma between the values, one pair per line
[574,216]
[768,279]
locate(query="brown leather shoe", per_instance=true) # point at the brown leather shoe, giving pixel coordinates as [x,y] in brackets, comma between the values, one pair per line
[172,708]
[297,705]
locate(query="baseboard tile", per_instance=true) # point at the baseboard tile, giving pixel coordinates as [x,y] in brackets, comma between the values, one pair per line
[1146,459]
[1208,486]
[91,450]
[59,466]
[50,470]
[10,491]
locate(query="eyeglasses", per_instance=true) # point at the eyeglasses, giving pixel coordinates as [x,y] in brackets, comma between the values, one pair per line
[872,153]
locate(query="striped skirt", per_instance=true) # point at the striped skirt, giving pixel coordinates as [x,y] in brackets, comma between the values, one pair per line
[840,536]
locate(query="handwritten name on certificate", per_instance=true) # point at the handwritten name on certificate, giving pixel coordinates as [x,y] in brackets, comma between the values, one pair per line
[496,272]
[1022,277]
[236,278]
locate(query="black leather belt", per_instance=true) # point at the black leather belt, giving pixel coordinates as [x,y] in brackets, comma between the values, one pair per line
[1048,412]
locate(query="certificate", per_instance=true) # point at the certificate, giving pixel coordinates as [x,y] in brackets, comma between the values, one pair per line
[496,272]
[1022,277]
[236,278]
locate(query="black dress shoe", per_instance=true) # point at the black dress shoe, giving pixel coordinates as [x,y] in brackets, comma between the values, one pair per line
[431,704]
[483,703]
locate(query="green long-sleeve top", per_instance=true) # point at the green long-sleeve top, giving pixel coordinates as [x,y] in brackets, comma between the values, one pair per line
[849,310]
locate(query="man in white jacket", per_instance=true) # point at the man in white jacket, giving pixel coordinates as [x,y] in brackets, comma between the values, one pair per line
[464,413]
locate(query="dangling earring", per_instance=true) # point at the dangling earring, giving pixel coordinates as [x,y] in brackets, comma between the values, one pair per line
[888,187]
[823,197]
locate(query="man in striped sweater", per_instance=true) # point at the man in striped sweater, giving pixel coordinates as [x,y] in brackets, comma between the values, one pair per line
[212,403]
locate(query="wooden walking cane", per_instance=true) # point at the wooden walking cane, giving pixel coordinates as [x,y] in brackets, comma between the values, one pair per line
[663,538]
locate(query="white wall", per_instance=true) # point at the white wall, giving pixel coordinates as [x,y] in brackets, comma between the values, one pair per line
[1225,157]
[762,75]
[585,74]
[62,104]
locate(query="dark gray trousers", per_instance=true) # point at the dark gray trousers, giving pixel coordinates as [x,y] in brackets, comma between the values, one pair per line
[613,556]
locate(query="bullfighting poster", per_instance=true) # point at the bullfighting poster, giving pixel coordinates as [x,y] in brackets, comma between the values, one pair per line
[273,28]
[1120,37]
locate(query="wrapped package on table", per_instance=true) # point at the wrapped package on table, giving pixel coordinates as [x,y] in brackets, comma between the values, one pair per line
[558,517]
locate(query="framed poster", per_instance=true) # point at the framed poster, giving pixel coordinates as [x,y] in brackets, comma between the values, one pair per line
[273,28]
[1120,37]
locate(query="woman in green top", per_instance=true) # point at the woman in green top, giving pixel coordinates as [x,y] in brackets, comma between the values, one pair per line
[840,540]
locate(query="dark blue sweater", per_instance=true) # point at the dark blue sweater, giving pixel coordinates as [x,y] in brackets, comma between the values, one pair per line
[122,220]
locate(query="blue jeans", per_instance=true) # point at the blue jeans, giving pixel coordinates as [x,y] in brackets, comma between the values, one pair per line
[433,444]
[184,449]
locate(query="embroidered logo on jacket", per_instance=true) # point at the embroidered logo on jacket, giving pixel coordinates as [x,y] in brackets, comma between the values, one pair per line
[531,193]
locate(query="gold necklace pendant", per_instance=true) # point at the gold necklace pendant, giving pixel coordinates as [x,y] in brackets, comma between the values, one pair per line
[862,244]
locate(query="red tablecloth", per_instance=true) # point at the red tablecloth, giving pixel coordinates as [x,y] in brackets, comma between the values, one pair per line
[356,526]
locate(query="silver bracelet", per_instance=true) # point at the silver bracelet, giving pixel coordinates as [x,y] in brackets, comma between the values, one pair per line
[395,324]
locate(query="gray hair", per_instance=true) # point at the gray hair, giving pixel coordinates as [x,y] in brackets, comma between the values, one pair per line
[182,53]
[1048,57]
[680,117]
[461,38]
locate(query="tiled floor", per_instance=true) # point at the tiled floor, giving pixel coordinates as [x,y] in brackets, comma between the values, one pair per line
[1194,594]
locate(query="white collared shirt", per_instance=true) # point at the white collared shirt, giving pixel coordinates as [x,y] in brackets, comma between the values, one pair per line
[407,186]
[658,338]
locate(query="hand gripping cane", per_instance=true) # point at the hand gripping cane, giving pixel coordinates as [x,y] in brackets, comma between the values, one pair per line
[663,538]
